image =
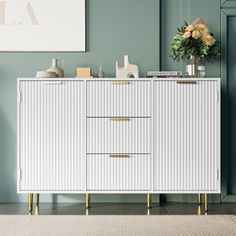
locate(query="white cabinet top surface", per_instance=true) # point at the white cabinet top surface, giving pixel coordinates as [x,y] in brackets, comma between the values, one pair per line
[126,79]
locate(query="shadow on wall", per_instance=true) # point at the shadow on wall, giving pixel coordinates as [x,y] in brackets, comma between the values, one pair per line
[7,161]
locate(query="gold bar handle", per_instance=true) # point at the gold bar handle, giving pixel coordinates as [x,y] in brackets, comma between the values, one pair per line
[187,82]
[119,156]
[51,82]
[120,82]
[119,119]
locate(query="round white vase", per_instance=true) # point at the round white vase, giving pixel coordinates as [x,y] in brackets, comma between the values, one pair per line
[56,69]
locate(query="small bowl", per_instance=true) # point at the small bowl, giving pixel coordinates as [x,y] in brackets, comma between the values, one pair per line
[46,74]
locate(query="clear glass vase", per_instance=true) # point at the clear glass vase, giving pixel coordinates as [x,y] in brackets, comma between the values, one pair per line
[192,67]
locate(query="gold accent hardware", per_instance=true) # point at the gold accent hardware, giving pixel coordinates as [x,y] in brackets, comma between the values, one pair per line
[199,210]
[51,82]
[119,155]
[37,204]
[206,202]
[87,212]
[119,118]
[37,210]
[149,200]
[120,82]
[87,200]
[30,199]
[199,199]
[186,82]
[37,199]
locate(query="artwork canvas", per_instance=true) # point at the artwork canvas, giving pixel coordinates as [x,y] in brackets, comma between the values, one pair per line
[42,25]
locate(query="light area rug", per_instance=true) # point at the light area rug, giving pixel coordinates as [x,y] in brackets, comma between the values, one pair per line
[117,225]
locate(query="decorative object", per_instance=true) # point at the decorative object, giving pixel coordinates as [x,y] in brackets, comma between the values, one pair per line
[56,69]
[115,132]
[83,72]
[194,42]
[36,25]
[46,74]
[166,74]
[128,71]
[100,73]
[201,71]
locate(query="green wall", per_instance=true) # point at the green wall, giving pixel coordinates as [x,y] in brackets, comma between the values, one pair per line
[114,28]
[173,15]
[228,28]
[232,105]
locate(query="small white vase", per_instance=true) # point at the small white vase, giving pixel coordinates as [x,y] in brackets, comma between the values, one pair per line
[128,71]
[56,69]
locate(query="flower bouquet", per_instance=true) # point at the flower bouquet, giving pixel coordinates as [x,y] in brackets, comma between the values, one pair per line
[194,41]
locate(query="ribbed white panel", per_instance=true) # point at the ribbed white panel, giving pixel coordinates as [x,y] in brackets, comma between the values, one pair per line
[117,174]
[108,136]
[51,135]
[186,127]
[105,99]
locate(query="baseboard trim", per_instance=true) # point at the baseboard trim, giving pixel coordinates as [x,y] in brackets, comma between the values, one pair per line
[231,198]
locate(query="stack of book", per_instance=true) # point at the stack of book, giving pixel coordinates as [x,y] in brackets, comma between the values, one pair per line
[164,74]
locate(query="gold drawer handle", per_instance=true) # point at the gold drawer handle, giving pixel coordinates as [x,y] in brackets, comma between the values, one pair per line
[119,119]
[186,82]
[119,156]
[120,82]
[51,82]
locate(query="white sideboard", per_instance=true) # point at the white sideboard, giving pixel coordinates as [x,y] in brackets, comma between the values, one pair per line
[118,136]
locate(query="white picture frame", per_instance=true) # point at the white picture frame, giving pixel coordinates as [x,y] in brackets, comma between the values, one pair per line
[42,25]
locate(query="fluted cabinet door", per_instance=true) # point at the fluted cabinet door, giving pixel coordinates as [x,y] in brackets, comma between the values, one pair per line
[51,117]
[187,136]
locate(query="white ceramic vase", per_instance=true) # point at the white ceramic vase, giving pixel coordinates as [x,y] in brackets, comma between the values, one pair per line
[128,71]
[56,69]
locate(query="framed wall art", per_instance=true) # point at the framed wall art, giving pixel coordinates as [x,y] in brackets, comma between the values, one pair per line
[42,25]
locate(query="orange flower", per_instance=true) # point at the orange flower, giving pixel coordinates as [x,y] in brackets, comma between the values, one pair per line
[196,34]
[187,35]
[190,28]
[208,40]
[202,29]
[198,21]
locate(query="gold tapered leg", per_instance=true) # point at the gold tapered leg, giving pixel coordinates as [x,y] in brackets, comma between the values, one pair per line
[87,211]
[199,210]
[149,200]
[37,199]
[37,204]
[206,202]
[30,199]
[87,200]
[199,199]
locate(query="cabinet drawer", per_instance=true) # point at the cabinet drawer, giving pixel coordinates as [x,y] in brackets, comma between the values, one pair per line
[111,135]
[117,173]
[118,98]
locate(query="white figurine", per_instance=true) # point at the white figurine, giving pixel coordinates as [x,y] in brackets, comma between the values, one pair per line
[128,71]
